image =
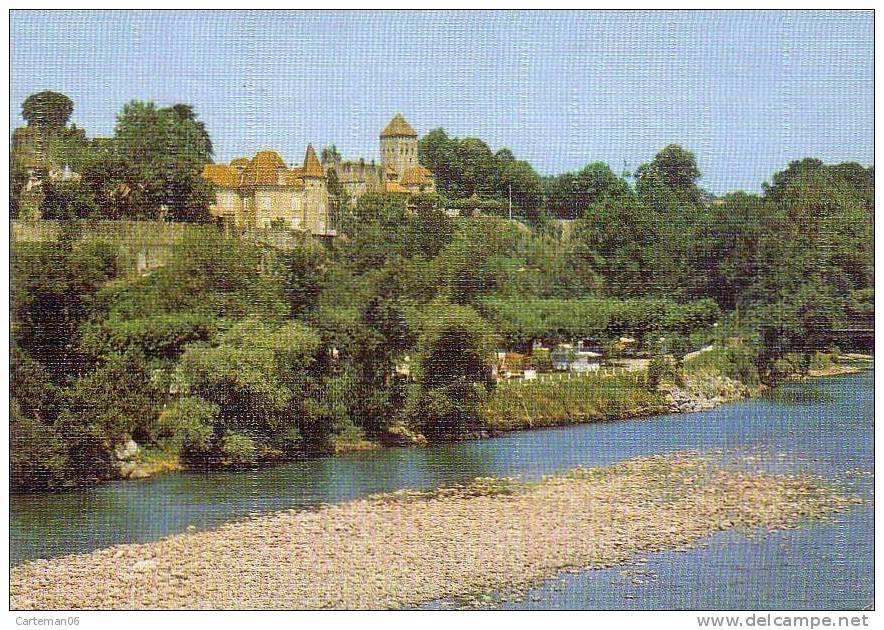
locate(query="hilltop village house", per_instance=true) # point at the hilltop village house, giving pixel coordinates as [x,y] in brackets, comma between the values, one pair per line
[263,191]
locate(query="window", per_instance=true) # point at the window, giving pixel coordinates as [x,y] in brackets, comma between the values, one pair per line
[265,202]
[228,200]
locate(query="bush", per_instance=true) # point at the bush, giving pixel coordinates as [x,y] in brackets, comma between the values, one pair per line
[160,336]
[658,368]
[260,377]
[737,362]
[37,459]
[117,400]
[188,424]
[237,449]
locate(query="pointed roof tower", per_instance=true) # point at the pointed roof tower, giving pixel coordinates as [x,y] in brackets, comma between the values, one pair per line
[312,167]
[398,126]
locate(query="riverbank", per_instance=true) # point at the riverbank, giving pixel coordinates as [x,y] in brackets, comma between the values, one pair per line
[851,363]
[526,405]
[401,549]
[556,402]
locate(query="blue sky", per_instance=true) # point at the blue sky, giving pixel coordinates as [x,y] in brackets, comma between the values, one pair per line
[746,91]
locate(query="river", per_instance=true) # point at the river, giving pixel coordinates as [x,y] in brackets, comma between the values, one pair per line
[822,426]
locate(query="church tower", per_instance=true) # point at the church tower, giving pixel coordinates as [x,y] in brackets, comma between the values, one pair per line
[398,145]
[315,193]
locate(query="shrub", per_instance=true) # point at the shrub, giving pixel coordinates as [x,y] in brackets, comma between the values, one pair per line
[737,362]
[237,449]
[657,369]
[117,400]
[160,336]
[188,424]
[37,459]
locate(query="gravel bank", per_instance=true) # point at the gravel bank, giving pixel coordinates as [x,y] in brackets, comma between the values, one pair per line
[405,548]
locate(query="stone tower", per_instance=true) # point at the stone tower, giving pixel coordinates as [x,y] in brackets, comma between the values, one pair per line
[398,145]
[315,193]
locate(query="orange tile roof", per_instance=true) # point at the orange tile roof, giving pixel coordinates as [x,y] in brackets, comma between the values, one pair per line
[398,126]
[293,178]
[396,187]
[312,167]
[415,176]
[221,175]
[263,169]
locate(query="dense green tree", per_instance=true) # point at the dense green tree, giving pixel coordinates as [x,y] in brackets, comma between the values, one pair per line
[207,273]
[260,378]
[47,109]
[467,168]
[68,200]
[53,293]
[37,459]
[117,401]
[669,181]
[570,195]
[620,240]
[453,372]
[166,149]
[799,321]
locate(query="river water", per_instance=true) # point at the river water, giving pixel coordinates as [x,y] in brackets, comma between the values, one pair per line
[822,426]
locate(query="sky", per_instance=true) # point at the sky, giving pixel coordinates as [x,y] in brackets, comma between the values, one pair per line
[747,92]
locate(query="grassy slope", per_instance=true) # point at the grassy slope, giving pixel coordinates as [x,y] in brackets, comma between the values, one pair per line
[524,405]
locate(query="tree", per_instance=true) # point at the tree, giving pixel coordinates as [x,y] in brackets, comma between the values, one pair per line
[47,109]
[431,231]
[454,372]
[304,269]
[186,112]
[330,155]
[439,153]
[799,321]
[165,150]
[68,200]
[53,293]
[261,380]
[569,195]
[669,181]
[117,401]
[37,458]
[18,177]
[519,179]
[620,241]
[467,168]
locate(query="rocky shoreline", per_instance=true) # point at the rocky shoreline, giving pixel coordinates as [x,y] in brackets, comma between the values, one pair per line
[401,549]
[703,393]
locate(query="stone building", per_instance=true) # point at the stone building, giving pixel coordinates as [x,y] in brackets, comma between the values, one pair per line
[264,192]
[398,172]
